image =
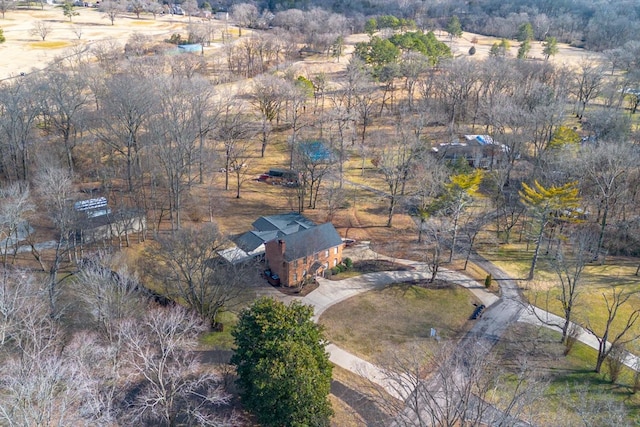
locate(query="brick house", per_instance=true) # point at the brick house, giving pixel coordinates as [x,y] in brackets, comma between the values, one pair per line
[305,254]
[479,151]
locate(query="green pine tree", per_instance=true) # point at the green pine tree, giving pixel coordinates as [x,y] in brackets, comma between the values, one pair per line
[454,28]
[550,47]
[283,369]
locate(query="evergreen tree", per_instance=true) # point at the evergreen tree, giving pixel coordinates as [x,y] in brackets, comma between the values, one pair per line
[525,32]
[454,28]
[283,369]
[524,49]
[550,47]
[68,10]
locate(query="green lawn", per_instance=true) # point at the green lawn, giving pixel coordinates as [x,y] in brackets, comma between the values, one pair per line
[596,280]
[570,385]
[221,340]
[397,317]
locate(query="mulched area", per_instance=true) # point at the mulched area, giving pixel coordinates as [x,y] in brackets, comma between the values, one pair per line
[372,266]
[376,265]
[306,289]
[424,283]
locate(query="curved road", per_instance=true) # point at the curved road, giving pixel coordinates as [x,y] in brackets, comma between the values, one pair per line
[501,313]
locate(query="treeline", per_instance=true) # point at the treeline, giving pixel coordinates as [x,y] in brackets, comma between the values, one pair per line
[595,25]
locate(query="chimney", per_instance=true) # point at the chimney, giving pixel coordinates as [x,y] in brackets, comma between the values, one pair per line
[282,245]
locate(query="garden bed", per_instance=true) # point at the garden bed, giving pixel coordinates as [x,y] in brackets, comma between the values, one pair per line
[370,266]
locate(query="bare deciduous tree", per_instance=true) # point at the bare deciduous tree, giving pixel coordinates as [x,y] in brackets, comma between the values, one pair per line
[245,15]
[268,95]
[192,270]
[569,263]
[168,384]
[41,385]
[604,169]
[15,209]
[112,9]
[20,106]
[41,29]
[588,84]
[54,186]
[174,141]
[458,392]
[126,103]
[5,6]
[65,97]
[612,336]
[235,132]
[395,159]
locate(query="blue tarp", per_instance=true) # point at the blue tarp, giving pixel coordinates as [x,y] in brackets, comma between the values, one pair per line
[317,151]
[190,47]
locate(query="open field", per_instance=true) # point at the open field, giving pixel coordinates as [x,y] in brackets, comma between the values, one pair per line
[397,317]
[569,381]
[597,279]
[24,52]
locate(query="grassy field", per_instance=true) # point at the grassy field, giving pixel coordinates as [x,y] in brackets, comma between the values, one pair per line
[597,279]
[569,381]
[397,317]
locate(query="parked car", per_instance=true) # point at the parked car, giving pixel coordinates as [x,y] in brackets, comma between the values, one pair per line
[272,278]
[348,242]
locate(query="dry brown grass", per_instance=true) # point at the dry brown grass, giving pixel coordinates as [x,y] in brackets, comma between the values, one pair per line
[344,415]
[397,317]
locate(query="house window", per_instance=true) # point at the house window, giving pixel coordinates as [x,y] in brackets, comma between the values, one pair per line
[315,256]
[326,253]
[335,262]
[326,265]
[304,273]
[295,263]
[295,277]
[335,250]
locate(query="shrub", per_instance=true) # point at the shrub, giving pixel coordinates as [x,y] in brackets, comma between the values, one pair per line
[487,281]
[335,270]
[571,339]
[615,362]
[176,39]
[348,263]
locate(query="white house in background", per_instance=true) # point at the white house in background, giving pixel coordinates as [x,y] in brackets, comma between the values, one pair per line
[95,221]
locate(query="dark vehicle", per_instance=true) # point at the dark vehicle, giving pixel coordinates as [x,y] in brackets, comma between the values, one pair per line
[348,242]
[286,177]
[477,313]
[272,278]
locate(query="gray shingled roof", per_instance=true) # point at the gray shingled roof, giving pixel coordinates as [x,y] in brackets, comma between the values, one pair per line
[310,241]
[289,223]
[250,240]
